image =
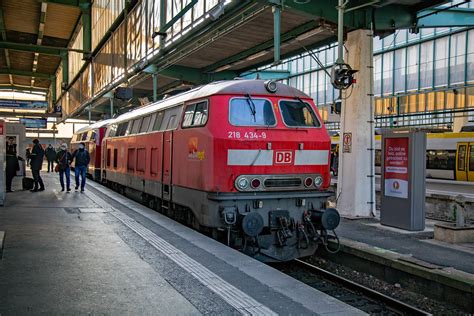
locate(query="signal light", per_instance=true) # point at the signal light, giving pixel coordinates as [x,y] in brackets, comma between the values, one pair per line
[255,183]
[308,182]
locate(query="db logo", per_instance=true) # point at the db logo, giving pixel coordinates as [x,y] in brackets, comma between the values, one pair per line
[283,157]
[396,185]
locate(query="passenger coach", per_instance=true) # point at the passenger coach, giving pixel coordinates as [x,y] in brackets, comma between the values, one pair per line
[245,160]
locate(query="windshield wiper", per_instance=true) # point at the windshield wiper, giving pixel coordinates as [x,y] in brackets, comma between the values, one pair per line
[252,107]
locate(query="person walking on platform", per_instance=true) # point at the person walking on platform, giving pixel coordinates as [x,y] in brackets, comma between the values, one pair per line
[36,162]
[63,159]
[51,157]
[82,159]
[11,163]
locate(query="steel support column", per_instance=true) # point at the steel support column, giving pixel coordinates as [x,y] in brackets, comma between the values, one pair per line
[65,69]
[155,87]
[276,34]
[86,9]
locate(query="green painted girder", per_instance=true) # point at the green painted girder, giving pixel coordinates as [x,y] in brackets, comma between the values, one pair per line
[264,46]
[73,3]
[40,49]
[22,88]
[194,75]
[267,74]
[454,17]
[23,73]
[178,16]
[385,15]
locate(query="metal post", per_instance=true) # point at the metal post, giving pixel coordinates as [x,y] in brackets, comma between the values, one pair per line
[90,114]
[276,33]
[162,22]
[155,87]
[65,65]
[340,32]
[111,107]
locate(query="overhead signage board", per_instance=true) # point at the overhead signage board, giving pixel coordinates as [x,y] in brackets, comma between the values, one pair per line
[24,104]
[396,167]
[35,123]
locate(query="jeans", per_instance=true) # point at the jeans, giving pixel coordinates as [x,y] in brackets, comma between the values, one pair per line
[66,172]
[80,170]
[37,179]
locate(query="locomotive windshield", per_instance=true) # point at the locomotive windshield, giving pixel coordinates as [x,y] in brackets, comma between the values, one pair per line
[253,112]
[298,114]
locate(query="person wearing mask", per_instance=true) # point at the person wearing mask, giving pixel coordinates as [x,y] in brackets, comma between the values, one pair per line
[11,163]
[82,158]
[51,157]
[36,162]
[63,159]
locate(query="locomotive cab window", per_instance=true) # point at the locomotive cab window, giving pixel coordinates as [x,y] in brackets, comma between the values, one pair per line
[250,111]
[195,115]
[298,114]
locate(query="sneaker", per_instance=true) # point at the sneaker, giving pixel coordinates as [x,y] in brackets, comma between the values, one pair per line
[41,189]
[82,190]
[69,189]
[34,190]
[62,190]
[76,188]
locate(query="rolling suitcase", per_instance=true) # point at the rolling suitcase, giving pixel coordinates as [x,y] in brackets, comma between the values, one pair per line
[27,183]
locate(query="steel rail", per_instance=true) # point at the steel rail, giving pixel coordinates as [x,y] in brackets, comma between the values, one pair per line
[390,302]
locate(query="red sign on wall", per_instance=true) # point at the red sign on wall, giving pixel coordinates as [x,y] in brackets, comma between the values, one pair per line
[396,167]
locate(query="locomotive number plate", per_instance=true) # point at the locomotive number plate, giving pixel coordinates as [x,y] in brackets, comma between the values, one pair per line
[246,135]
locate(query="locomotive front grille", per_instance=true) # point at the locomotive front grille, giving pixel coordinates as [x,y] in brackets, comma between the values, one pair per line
[283,183]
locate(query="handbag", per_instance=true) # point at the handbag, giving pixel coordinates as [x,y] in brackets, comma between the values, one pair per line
[56,169]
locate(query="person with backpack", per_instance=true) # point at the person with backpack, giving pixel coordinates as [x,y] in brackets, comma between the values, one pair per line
[63,160]
[37,157]
[82,158]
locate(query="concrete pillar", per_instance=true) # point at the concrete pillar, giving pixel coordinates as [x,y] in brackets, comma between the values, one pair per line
[459,122]
[355,184]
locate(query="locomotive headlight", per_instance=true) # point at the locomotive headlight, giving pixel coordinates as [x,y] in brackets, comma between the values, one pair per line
[318,181]
[242,183]
[271,86]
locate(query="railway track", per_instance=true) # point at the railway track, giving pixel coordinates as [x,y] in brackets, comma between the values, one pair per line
[354,294]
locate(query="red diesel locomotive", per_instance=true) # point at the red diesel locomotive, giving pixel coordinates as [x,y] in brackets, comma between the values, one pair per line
[91,136]
[246,160]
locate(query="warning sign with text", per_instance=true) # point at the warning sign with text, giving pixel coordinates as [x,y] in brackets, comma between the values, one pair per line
[396,167]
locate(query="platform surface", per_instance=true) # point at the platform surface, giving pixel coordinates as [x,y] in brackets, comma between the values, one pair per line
[100,253]
[419,245]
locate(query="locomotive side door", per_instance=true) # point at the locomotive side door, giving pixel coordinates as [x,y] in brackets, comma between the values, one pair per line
[462,161]
[167,164]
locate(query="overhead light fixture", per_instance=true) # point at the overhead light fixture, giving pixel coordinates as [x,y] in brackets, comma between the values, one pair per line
[309,34]
[225,67]
[257,55]
[217,11]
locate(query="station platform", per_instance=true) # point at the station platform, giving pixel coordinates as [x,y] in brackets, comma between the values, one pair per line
[100,253]
[414,260]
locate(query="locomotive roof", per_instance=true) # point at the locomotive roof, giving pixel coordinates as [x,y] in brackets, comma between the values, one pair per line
[96,125]
[230,87]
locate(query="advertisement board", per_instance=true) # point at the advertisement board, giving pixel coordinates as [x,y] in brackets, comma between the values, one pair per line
[34,122]
[23,104]
[396,167]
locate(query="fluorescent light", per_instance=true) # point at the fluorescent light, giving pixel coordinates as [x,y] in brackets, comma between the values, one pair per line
[225,67]
[309,34]
[257,55]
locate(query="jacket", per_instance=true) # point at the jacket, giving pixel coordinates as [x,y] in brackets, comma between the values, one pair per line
[50,154]
[63,158]
[81,157]
[37,157]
